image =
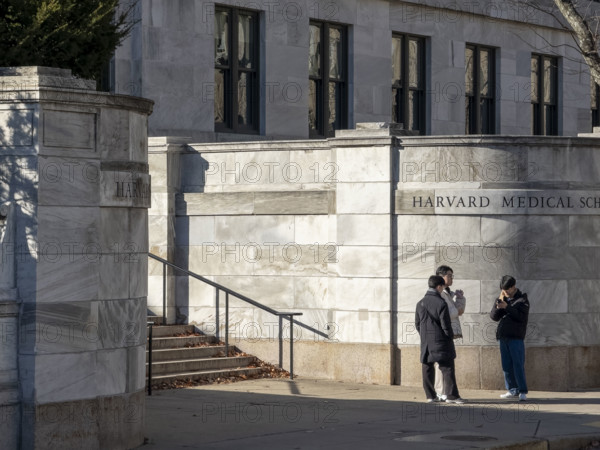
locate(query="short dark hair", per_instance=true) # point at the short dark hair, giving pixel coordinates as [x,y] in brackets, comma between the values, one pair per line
[443,270]
[435,281]
[507,282]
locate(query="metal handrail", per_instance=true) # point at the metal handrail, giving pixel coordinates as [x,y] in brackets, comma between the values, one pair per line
[288,315]
[149,324]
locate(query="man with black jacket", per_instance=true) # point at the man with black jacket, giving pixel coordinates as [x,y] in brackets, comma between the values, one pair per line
[432,321]
[511,311]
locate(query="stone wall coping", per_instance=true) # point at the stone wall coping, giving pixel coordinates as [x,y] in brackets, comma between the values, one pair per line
[47,84]
[253,146]
[33,82]
[78,97]
[159,141]
[34,70]
[291,145]
[28,77]
[588,140]
[503,140]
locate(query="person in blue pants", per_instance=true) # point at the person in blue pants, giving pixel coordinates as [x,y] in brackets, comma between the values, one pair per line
[511,311]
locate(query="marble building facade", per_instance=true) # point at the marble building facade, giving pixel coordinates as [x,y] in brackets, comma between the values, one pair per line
[343,224]
[172,58]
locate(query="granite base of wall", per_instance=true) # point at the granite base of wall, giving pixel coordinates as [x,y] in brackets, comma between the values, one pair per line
[477,367]
[355,363]
[115,422]
[547,368]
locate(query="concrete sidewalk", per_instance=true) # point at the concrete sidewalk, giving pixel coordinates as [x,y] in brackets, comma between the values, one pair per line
[317,414]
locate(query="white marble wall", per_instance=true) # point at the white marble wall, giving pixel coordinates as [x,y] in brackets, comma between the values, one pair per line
[551,251]
[77,175]
[283,223]
[331,229]
[164,165]
[169,58]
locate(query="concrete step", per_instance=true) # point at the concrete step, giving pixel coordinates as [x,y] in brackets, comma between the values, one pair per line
[181,342]
[180,353]
[208,375]
[172,330]
[175,354]
[194,365]
[156,320]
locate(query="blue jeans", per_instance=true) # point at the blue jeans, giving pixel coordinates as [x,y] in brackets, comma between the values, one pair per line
[512,353]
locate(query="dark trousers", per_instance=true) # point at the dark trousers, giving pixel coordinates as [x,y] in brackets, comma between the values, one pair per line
[512,354]
[447,369]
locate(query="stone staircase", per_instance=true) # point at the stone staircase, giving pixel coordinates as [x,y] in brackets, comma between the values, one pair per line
[182,356]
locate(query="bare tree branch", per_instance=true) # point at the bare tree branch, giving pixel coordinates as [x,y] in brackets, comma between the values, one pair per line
[549,44]
[581,20]
[587,40]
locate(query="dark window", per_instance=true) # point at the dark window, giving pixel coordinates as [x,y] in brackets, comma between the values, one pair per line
[106,82]
[236,70]
[595,100]
[328,76]
[479,90]
[544,94]
[408,82]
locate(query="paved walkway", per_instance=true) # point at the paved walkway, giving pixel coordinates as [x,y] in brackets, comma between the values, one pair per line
[317,414]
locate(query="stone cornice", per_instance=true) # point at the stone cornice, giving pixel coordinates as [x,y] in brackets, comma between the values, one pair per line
[45,84]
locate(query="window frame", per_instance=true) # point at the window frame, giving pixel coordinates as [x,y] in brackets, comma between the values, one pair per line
[400,90]
[539,124]
[106,81]
[595,98]
[473,103]
[323,80]
[233,71]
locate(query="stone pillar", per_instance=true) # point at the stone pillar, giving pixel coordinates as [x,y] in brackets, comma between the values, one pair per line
[74,168]
[164,162]
[9,393]
[365,269]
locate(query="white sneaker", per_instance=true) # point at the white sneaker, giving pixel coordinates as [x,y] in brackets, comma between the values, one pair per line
[509,394]
[457,400]
[522,397]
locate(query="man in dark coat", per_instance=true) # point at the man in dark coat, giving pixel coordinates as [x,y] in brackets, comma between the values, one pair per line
[437,345]
[511,311]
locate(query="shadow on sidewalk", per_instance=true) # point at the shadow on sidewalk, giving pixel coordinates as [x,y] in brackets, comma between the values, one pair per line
[290,415]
